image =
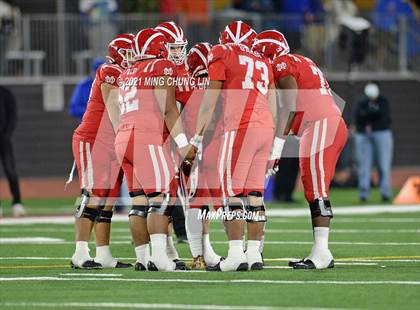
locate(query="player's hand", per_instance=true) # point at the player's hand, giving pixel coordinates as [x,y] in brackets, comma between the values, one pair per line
[188,153]
[272,167]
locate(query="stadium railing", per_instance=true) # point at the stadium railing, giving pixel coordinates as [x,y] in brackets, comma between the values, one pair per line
[62,45]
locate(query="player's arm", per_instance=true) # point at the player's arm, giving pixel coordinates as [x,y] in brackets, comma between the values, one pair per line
[165,96]
[289,92]
[272,101]
[288,86]
[110,95]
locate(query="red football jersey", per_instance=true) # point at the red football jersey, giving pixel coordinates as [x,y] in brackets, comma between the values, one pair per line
[138,106]
[246,76]
[95,122]
[314,95]
[183,87]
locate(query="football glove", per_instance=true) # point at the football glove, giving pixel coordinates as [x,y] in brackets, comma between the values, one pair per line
[273,161]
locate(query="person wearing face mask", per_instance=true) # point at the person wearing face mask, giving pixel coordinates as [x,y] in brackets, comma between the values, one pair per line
[374,141]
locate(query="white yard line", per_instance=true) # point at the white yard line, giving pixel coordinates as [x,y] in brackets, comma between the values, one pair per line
[54,241]
[150,306]
[202,281]
[91,274]
[289,212]
[30,240]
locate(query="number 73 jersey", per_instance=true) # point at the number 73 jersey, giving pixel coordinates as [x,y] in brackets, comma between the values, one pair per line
[246,77]
[314,94]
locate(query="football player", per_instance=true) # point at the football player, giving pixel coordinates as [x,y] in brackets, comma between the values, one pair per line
[147,105]
[100,174]
[199,193]
[244,81]
[316,119]
[176,44]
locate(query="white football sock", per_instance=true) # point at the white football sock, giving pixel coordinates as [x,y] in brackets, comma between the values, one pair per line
[320,254]
[210,257]
[235,257]
[142,254]
[159,256]
[81,253]
[194,228]
[104,257]
[171,249]
[253,254]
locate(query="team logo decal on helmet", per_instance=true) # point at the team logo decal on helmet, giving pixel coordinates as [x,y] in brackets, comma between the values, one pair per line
[271,43]
[176,41]
[120,50]
[149,43]
[238,32]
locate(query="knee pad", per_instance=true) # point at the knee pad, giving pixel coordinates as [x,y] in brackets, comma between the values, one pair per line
[159,207]
[253,209]
[321,207]
[138,193]
[83,211]
[104,216]
[140,211]
[232,208]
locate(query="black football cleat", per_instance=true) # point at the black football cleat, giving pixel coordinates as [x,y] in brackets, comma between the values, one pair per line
[123,265]
[139,267]
[292,263]
[214,267]
[257,266]
[89,264]
[180,265]
[241,267]
[308,264]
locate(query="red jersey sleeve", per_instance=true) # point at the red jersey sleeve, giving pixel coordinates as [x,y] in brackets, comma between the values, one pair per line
[217,63]
[282,67]
[164,67]
[109,74]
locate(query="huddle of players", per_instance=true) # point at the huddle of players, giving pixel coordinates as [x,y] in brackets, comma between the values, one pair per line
[136,128]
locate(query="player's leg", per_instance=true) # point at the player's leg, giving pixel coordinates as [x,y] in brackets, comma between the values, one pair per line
[364,154]
[138,226]
[154,169]
[124,147]
[317,171]
[87,209]
[233,169]
[102,225]
[214,194]
[254,188]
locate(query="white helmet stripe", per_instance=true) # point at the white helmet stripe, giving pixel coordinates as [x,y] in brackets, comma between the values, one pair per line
[176,29]
[238,30]
[173,35]
[246,35]
[207,45]
[230,34]
[136,41]
[121,39]
[200,54]
[143,50]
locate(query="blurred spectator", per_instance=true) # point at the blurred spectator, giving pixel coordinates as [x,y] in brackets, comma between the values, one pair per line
[99,15]
[8,119]
[81,92]
[9,36]
[296,13]
[386,17]
[374,142]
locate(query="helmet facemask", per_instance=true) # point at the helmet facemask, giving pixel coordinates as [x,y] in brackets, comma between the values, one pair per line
[177,52]
[127,56]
